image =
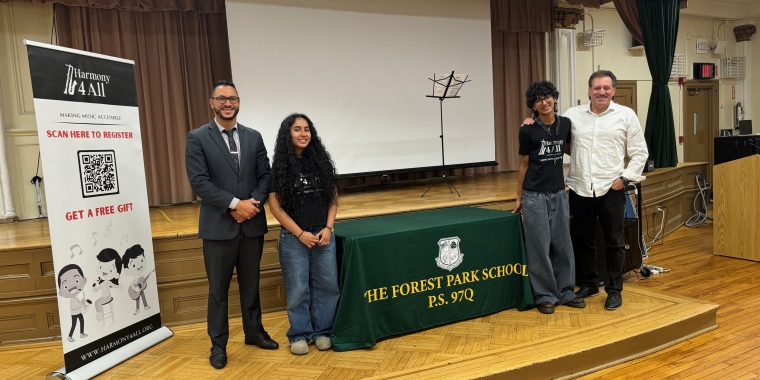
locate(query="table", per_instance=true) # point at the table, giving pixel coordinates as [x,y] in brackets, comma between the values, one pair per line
[407,272]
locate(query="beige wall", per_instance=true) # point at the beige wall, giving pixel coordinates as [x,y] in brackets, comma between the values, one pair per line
[20,21]
[752,82]
[628,64]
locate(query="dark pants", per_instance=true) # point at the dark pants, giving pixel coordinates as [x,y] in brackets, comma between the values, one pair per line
[137,300]
[74,318]
[221,257]
[610,208]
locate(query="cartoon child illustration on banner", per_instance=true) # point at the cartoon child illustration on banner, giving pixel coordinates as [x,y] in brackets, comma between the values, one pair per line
[109,270]
[134,265]
[71,283]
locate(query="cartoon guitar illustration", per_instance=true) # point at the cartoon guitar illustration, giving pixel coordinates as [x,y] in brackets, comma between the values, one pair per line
[138,285]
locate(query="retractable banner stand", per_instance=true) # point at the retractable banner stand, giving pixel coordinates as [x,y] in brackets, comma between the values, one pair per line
[89,133]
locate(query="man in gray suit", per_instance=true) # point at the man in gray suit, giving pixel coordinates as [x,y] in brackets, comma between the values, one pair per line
[228,168]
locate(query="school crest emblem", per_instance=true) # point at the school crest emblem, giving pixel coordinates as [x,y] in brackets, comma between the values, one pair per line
[449,255]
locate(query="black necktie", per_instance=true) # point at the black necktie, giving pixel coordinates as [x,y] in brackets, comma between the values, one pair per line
[233,146]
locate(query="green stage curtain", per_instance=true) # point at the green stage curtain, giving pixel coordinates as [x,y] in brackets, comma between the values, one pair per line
[659,28]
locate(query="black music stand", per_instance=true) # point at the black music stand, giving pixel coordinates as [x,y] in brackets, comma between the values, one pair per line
[445,87]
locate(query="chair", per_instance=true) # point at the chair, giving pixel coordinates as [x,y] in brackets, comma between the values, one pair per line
[108,313]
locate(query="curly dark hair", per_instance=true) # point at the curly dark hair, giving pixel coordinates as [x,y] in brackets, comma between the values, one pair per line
[540,90]
[286,170]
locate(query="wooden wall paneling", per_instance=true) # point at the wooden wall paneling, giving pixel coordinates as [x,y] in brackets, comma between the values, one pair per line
[45,277]
[26,273]
[16,274]
[270,258]
[178,259]
[29,318]
[182,284]
[186,301]
[675,190]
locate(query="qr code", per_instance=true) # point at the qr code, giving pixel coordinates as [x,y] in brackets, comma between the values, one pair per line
[97,172]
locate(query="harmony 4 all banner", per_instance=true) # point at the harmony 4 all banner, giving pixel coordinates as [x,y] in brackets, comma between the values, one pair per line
[89,133]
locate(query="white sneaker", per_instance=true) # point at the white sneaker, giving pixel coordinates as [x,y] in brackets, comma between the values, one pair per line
[299,348]
[323,343]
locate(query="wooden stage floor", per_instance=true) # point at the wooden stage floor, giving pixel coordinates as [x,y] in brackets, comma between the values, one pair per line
[505,345]
[509,344]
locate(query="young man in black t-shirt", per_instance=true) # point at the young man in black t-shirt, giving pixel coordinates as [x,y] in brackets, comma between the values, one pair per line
[541,199]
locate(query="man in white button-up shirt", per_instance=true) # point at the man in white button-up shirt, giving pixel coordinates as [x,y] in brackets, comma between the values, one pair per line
[603,134]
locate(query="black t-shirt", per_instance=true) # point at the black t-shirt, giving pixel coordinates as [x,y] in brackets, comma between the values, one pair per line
[309,212]
[546,150]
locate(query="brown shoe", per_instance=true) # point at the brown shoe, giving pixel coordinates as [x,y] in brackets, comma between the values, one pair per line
[546,308]
[577,302]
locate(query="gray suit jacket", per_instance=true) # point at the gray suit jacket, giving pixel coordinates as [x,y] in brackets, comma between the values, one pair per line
[214,179]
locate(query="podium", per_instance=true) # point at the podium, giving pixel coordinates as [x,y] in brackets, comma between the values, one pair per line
[736,201]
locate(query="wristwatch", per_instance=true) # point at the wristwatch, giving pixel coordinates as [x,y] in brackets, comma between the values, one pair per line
[330,228]
[626,181]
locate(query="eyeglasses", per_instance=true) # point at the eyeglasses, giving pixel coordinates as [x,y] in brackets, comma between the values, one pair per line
[546,100]
[224,99]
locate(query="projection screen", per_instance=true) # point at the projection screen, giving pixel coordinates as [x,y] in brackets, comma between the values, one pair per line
[359,69]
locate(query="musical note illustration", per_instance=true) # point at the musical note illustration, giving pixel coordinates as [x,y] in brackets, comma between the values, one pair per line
[108,228]
[93,238]
[123,239]
[72,250]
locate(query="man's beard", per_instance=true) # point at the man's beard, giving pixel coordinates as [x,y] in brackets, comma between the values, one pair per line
[218,112]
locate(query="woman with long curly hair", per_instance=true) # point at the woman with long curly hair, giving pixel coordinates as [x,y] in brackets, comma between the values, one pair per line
[304,199]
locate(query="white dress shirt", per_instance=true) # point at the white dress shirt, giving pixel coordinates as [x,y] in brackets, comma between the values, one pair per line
[236,136]
[599,146]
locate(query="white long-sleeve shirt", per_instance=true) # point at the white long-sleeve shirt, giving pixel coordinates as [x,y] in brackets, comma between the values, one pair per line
[599,145]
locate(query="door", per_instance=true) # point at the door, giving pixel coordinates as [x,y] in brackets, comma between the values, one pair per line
[625,94]
[696,125]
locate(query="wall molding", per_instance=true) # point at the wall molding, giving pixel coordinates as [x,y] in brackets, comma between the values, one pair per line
[15,56]
[19,132]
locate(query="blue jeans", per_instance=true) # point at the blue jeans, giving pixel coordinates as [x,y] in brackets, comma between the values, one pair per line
[548,247]
[311,284]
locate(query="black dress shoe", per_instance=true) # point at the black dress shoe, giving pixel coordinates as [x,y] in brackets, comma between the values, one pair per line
[263,341]
[218,358]
[546,308]
[577,302]
[587,291]
[614,301]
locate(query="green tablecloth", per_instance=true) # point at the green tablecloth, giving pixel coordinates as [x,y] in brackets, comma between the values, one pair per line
[407,272]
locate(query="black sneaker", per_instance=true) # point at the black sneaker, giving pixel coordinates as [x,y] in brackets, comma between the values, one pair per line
[614,301]
[587,291]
